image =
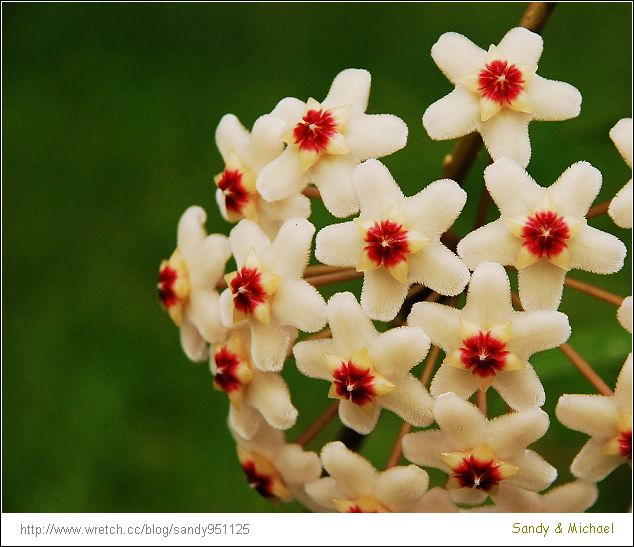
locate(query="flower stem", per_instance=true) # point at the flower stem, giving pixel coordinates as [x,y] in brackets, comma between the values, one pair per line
[597,292]
[598,210]
[320,269]
[584,367]
[536,14]
[428,369]
[311,192]
[334,277]
[481,399]
[483,207]
[316,427]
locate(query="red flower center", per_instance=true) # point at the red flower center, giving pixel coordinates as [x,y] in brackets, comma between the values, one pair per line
[357,509]
[167,278]
[247,290]
[387,243]
[354,383]
[260,482]
[314,131]
[226,370]
[474,473]
[483,354]
[500,82]
[625,444]
[545,234]
[236,195]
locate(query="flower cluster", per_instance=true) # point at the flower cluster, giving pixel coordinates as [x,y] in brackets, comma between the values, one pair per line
[248,321]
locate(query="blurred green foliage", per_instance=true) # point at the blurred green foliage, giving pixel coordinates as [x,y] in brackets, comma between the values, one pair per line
[109,114]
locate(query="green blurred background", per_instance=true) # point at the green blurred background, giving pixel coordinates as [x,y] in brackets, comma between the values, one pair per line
[109,115]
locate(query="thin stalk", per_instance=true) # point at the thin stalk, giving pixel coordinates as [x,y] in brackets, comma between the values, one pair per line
[597,292]
[584,367]
[334,277]
[318,425]
[598,210]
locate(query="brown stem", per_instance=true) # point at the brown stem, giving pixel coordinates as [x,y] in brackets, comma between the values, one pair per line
[483,207]
[598,210]
[320,269]
[584,367]
[601,294]
[311,192]
[315,428]
[481,399]
[334,277]
[428,369]
[536,15]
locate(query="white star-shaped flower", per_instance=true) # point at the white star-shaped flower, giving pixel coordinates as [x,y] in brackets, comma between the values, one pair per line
[326,140]
[497,93]
[368,371]
[187,283]
[624,314]
[480,454]
[254,395]
[355,486]
[267,290]
[396,240]
[487,343]
[245,155]
[608,421]
[543,231]
[572,497]
[276,470]
[621,206]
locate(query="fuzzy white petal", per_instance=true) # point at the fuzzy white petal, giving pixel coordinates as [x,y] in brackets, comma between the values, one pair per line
[289,253]
[204,313]
[512,499]
[576,189]
[354,417]
[397,350]
[231,137]
[621,135]
[541,285]
[462,423]
[351,327]
[299,304]
[620,209]
[374,136]
[591,414]
[493,242]
[246,422]
[353,473]
[592,464]
[521,389]
[572,497]
[400,488]
[270,344]
[552,100]
[538,331]
[333,176]
[441,323]
[283,177]
[488,296]
[266,141]
[436,207]
[246,235]
[350,87]
[623,389]
[624,314]
[436,500]
[226,308]
[208,264]
[534,473]
[468,496]
[459,381]
[338,244]
[191,232]
[514,191]
[456,55]
[425,448]
[505,135]
[382,295]
[595,251]
[411,401]
[297,466]
[438,268]
[325,491]
[193,343]
[269,394]
[309,356]
[521,46]
[290,110]
[297,206]
[453,116]
[511,433]
[376,188]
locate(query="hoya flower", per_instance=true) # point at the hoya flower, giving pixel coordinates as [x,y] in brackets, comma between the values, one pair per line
[487,343]
[621,206]
[326,140]
[572,497]
[187,283]
[276,470]
[367,371]
[254,395]
[624,314]
[542,231]
[478,454]
[355,486]
[608,421]
[497,93]
[267,291]
[245,154]
[396,240]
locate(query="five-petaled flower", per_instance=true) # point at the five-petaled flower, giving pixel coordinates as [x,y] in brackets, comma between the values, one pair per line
[355,486]
[608,421]
[497,93]
[487,343]
[367,370]
[621,206]
[187,283]
[267,290]
[396,240]
[325,141]
[479,454]
[245,155]
[542,231]
[254,395]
